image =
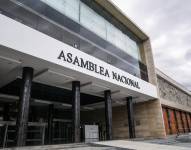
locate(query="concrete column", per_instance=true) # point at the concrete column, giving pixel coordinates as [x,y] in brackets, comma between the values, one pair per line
[25,95]
[130,117]
[76,110]
[50,119]
[108,114]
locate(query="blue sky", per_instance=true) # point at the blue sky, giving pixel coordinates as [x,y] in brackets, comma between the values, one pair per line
[168,23]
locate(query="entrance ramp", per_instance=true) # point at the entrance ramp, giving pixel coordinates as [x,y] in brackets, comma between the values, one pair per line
[140,145]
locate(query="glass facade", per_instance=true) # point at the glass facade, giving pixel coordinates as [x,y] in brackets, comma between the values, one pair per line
[78,24]
[69,8]
[91,20]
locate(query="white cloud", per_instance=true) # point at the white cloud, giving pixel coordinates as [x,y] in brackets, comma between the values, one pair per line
[168,24]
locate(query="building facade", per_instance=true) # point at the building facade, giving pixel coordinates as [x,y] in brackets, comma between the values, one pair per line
[176,105]
[75,71]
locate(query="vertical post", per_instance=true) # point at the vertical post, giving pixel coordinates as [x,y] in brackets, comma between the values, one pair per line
[187,121]
[25,95]
[183,126]
[130,117]
[76,110]
[169,120]
[190,120]
[6,112]
[50,119]
[176,120]
[108,114]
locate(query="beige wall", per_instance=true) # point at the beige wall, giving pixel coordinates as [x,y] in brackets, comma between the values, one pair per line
[120,123]
[147,120]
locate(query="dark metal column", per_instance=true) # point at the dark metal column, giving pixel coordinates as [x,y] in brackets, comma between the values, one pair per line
[50,119]
[6,112]
[108,114]
[25,95]
[76,110]
[131,117]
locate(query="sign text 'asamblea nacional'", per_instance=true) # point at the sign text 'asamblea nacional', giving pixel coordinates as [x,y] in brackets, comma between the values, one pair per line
[98,69]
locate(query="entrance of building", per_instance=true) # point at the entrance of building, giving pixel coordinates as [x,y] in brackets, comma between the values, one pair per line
[50,115]
[49,102]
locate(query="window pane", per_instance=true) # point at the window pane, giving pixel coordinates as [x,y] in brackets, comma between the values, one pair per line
[132,48]
[115,36]
[69,8]
[91,20]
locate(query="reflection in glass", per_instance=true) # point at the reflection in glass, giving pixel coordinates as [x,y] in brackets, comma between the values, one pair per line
[69,8]
[88,18]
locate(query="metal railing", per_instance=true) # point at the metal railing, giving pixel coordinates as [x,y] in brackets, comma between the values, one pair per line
[35,133]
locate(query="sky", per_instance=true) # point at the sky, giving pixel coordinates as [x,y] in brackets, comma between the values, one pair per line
[168,24]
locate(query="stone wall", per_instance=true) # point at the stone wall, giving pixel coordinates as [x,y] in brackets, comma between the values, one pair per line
[148,120]
[120,123]
[170,92]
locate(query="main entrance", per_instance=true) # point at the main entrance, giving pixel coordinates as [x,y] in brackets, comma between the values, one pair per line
[51,115]
[56,105]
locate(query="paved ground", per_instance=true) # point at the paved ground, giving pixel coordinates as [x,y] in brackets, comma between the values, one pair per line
[182,142]
[137,145]
[69,147]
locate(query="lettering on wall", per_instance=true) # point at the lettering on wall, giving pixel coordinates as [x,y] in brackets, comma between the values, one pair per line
[98,69]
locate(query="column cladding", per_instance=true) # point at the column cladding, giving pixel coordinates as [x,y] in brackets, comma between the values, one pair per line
[131,121]
[76,110]
[108,114]
[25,95]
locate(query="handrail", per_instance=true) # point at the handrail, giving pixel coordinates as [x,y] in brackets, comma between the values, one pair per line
[30,124]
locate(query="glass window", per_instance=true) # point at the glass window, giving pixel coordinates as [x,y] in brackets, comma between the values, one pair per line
[88,18]
[122,41]
[69,8]
[115,36]
[92,21]
[132,48]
